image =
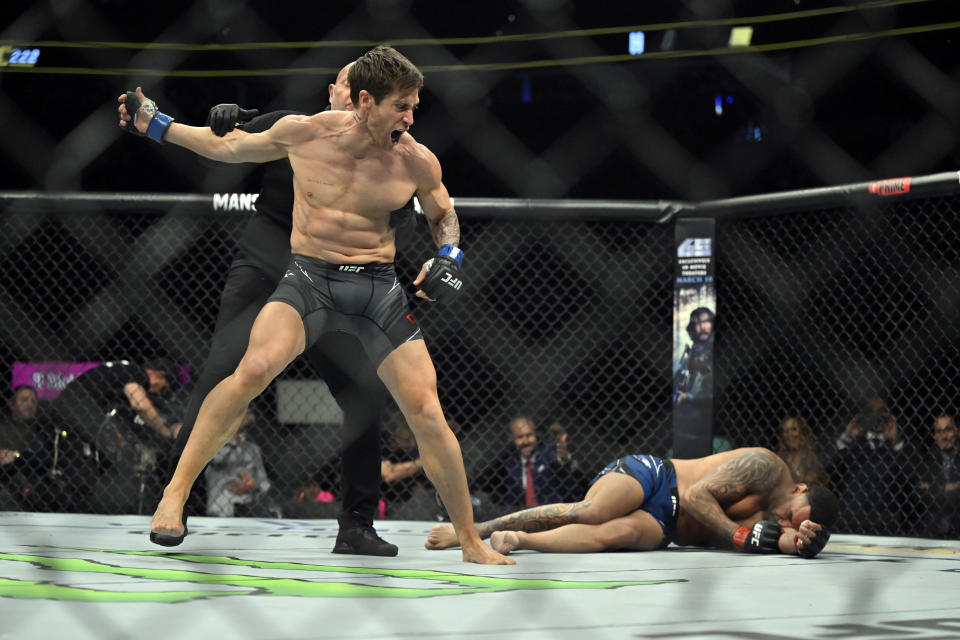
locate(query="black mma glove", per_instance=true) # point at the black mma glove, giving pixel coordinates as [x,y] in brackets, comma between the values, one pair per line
[443,282]
[224,118]
[814,546]
[764,537]
[158,122]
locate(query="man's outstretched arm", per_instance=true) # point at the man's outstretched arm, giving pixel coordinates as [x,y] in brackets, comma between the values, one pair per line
[236,146]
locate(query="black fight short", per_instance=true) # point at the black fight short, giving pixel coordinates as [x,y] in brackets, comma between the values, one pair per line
[364,300]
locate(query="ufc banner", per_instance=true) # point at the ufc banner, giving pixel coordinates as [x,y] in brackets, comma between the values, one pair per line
[694,321]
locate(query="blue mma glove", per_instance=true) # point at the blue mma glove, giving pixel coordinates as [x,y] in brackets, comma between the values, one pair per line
[157,123]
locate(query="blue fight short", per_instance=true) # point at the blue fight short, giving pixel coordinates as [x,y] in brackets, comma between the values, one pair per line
[659,481]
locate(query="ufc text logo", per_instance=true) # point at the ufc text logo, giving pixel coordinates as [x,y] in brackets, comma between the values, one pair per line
[350,267]
[448,278]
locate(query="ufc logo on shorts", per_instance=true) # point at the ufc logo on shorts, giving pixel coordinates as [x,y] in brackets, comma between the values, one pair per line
[351,268]
[448,278]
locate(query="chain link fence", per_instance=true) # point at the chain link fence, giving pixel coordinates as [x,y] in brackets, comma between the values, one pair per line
[840,317]
[822,311]
[523,98]
[837,314]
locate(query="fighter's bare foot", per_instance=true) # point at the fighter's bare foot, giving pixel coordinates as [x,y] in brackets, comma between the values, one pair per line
[482,554]
[442,536]
[504,541]
[167,527]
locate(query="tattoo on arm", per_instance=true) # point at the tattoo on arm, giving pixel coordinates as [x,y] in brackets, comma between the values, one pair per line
[751,473]
[542,518]
[446,230]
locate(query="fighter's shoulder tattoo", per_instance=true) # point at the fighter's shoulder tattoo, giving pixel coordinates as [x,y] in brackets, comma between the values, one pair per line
[753,471]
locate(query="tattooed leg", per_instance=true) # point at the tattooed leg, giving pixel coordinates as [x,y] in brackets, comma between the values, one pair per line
[638,531]
[539,518]
[612,496]
[542,518]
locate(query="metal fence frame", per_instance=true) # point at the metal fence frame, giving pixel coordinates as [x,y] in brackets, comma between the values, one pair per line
[620,438]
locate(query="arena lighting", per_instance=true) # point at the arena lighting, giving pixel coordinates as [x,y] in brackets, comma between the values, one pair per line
[636,43]
[741,36]
[18,57]
[669,36]
[718,104]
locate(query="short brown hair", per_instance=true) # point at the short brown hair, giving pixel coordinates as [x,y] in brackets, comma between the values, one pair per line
[381,70]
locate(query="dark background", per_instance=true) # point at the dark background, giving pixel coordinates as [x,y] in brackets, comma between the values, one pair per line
[820,307]
[641,128]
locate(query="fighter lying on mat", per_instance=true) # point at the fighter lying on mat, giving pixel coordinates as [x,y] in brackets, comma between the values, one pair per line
[743,499]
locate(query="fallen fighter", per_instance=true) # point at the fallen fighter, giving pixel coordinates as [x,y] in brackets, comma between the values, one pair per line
[743,499]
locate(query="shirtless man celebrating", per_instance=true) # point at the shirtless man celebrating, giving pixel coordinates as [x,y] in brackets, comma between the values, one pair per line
[351,169]
[743,499]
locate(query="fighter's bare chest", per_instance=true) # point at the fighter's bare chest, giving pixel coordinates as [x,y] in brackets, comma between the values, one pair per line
[353,184]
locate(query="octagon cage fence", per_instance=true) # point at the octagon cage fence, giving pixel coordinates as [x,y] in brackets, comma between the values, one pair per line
[835,305]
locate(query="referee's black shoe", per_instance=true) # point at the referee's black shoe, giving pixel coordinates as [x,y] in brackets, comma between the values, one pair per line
[362,540]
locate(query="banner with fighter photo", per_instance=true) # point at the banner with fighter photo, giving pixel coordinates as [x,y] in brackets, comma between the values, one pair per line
[694,322]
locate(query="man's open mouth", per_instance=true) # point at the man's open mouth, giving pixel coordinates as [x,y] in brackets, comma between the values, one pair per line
[395,135]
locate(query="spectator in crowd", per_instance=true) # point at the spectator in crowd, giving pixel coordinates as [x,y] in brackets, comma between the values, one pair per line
[424,502]
[939,484]
[18,430]
[533,472]
[237,481]
[170,403]
[113,386]
[557,430]
[559,434]
[798,449]
[18,427]
[312,499]
[868,470]
[110,408]
[46,466]
[400,468]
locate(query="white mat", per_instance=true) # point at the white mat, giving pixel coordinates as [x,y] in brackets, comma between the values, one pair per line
[98,577]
